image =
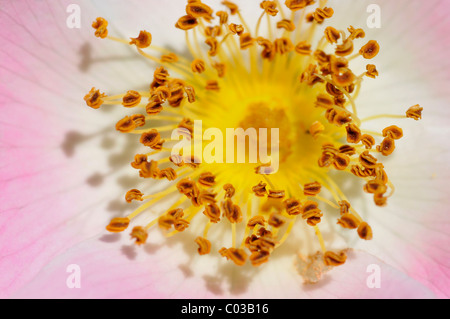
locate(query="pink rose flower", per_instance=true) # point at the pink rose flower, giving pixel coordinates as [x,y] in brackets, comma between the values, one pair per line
[64,169]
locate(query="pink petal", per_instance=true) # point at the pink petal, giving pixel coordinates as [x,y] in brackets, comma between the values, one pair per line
[169,272]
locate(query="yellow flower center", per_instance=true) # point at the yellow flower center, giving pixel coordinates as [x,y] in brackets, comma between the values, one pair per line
[260,80]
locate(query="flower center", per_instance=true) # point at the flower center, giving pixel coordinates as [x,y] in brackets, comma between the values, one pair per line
[302,95]
[261,115]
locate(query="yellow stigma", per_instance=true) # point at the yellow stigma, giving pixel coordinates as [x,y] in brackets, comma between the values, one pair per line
[270,76]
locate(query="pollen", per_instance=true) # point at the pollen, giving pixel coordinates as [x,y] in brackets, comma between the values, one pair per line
[292,76]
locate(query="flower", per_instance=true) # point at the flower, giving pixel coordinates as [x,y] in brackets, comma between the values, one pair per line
[212,276]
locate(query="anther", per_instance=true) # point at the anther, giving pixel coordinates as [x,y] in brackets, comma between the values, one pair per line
[370,50]
[316,128]
[276,194]
[212,85]
[143,40]
[303,48]
[207,197]
[270,7]
[212,211]
[393,132]
[367,160]
[309,76]
[333,90]
[204,246]
[229,190]
[100,25]
[129,123]
[387,146]
[166,222]
[414,112]
[326,159]
[293,206]
[260,189]
[295,5]
[118,224]
[232,211]
[321,57]
[323,100]
[362,171]
[149,169]
[231,6]
[341,161]
[139,234]
[168,173]
[380,174]
[312,189]
[321,14]
[220,68]
[139,159]
[188,188]
[332,259]
[348,221]
[365,231]
[186,22]
[169,58]
[353,133]
[371,71]
[186,126]
[161,94]
[276,220]
[344,49]
[153,107]
[268,48]
[190,93]
[338,64]
[258,258]
[256,220]
[213,46]
[347,150]
[134,194]
[379,200]
[223,16]
[176,213]
[207,179]
[368,141]
[246,40]
[375,187]
[283,45]
[94,98]
[344,207]
[238,256]
[236,29]
[150,138]
[199,10]
[263,232]
[180,224]
[332,35]
[286,24]
[131,99]
[161,75]
[356,33]
[343,79]
[310,210]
